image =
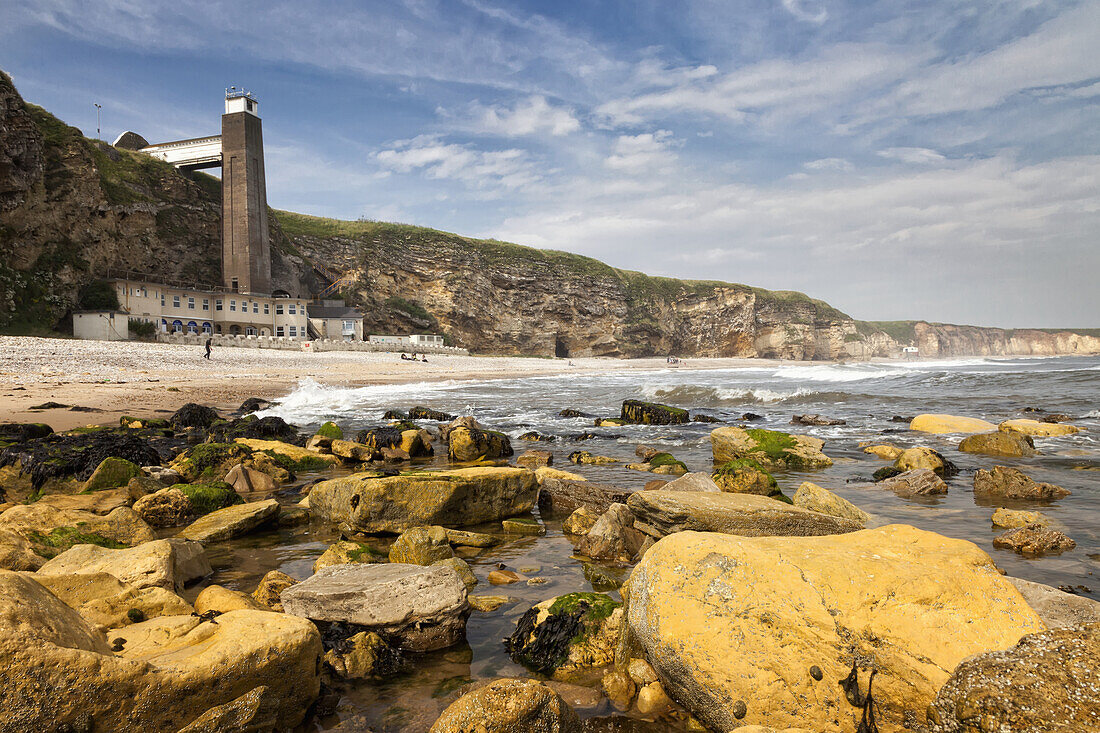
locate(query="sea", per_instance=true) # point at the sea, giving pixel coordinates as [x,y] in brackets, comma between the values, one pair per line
[875,400]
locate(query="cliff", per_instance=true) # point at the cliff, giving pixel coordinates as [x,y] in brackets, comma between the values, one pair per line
[73,210]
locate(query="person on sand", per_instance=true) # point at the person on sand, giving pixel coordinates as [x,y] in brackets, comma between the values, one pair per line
[208,342]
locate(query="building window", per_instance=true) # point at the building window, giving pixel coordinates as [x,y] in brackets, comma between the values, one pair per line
[175,301]
[250,331]
[177,326]
[206,304]
[278,330]
[293,331]
[162,300]
[293,309]
[192,327]
[191,304]
[144,293]
[232,305]
[218,304]
[207,329]
[278,309]
[255,306]
[267,309]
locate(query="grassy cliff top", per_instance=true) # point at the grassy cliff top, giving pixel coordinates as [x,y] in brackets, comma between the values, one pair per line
[637,284]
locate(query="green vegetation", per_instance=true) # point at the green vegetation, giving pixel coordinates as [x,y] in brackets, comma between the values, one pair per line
[210,461]
[136,615]
[411,309]
[597,606]
[210,497]
[142,329]
[732,468]
[358,555]
[110,474]
[772,443]
[60,539]
[98,295]
[331,430]
[904,332]
[666,459]
[305,463]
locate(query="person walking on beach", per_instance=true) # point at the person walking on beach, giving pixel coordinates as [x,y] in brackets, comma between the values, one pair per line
[208,342]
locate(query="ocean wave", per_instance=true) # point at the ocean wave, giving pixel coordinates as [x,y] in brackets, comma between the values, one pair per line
[704,396]
[312,401]
[839,373]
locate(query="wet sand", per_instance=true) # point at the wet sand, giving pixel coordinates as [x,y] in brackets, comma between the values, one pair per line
[110,379]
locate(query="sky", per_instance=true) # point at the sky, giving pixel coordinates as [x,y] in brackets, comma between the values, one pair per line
[935,160]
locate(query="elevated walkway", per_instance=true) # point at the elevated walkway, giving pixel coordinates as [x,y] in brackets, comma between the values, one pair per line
[194,154]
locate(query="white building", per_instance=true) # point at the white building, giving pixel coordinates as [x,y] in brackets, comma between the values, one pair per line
[416,339]
[333,319]
[175,309]
[101,325]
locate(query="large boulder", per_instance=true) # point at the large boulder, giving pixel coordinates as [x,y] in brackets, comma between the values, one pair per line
[52,530]
[918,482]
[473,444]
[59,673]
[651,413]
[396,503]
[1057,608]
[415,608]
[1046,682]
[1007,483]
[612,537]
[1034,539]
[745,476]
[659,513]
[421,546]
[734,627]
[106,602]
[168,564]
[567,635]
[345,552]
[933,423]
[564,496]
[999,443]
[103,501]
[509,706]
[111,473]
[770,448]
[233,521]
[817,499]
[294,457]
[209,461]
[168,507]
[1038,429]
[913,459]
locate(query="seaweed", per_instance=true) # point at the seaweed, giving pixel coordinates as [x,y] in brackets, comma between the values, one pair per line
[76,454]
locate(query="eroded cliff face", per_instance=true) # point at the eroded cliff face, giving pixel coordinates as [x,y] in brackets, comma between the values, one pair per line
[73,210]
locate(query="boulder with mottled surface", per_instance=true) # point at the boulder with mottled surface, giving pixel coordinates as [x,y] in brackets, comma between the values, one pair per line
[509,706]
[723,618]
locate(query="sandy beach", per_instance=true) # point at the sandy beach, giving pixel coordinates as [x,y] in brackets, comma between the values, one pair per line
[109,379]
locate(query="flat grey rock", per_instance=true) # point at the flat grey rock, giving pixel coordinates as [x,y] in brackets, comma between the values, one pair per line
[696,481]
[416,608]
[662,512]
[1057,608]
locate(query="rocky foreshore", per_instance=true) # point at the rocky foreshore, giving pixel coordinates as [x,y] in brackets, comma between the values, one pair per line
[715,601]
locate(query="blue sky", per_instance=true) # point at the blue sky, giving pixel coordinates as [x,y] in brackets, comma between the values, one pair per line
[936,160]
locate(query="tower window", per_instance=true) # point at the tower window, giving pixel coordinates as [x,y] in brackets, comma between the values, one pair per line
[234,285]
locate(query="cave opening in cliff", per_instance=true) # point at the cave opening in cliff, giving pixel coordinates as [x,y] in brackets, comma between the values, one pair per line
[560,349]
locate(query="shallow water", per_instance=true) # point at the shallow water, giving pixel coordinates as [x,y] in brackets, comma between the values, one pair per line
[866,395]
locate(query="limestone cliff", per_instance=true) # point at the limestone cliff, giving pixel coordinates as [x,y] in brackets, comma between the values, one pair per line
[73,210]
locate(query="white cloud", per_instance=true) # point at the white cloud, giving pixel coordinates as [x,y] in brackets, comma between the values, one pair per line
[828,164]
[637,153]
[916,156]
[535,115]
[507,169]
[805,12]
[773,87]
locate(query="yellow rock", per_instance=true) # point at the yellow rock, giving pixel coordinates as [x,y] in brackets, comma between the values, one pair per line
[886,452]
[60,672]
[915,602]
[223,600]
[286,449]
[541,474]
[1037,429]
[920,457]
[459,497]
[106,602]
[771,449]
[933,423]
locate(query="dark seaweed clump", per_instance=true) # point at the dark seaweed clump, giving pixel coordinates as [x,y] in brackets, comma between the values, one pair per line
[544,647]
[254,428]
[76,454]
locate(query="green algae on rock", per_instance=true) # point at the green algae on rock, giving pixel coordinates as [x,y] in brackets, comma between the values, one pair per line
[772,449]
[568,634]
[652,413]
